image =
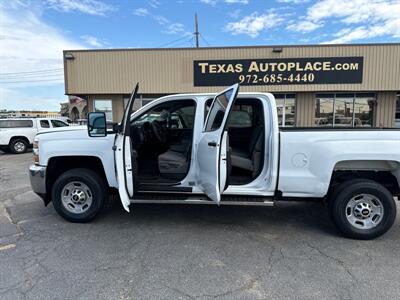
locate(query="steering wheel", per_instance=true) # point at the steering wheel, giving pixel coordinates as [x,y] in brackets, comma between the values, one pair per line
[159,132]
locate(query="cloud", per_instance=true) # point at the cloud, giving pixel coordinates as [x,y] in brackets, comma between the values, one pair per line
[365,32]
[214,2]
[235,14]
[209,2]
[364,19]
[141,12]
[303,26]
[91,7]
[28,44]
[175,28]
[237,1]
[93,41]
[154,3]
[293,1]
[356,11]
[161,20]
[254,24]
[46,98]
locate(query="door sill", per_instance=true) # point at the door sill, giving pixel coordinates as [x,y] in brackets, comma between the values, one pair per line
[156,188]
[200,199]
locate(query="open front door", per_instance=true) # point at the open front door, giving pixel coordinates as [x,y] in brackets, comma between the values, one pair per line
[214,144]
[123,155]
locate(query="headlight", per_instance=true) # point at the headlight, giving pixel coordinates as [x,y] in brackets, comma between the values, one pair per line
[36,151]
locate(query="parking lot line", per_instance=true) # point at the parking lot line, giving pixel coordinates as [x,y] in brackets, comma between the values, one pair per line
[7,247]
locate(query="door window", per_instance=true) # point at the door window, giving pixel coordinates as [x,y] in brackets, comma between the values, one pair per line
[241,116]
[218,108]
[174,114]
[44,124]
[58,123]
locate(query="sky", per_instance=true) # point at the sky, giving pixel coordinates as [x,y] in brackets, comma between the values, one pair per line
[34,33]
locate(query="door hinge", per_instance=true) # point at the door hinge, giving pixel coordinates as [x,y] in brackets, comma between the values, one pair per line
[114,148]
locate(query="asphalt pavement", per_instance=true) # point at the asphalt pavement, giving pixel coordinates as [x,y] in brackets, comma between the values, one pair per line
[289,251]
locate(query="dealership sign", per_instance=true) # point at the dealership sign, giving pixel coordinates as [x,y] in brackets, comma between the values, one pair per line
[316,70]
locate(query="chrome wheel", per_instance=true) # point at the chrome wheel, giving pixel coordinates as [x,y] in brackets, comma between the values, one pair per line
[76,197]
[364,211]
[19,147]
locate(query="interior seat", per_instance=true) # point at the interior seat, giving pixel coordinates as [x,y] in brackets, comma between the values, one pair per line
[250,160]
[174,162]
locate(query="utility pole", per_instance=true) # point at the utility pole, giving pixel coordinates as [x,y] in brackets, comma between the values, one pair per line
[196,30]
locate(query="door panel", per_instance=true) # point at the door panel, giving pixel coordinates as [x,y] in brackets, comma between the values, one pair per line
[212,148]
[123,155]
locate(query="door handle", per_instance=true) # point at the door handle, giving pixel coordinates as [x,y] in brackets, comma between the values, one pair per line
[212,144]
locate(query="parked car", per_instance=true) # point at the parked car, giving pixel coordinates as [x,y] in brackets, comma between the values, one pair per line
[16,135]
[150,157]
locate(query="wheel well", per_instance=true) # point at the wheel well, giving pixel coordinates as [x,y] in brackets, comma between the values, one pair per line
[20,137]
[386,178]
[60,164]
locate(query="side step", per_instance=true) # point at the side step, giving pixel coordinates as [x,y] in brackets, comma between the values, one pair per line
[200,199]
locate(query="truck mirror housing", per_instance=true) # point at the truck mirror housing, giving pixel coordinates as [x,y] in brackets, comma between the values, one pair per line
[97,125]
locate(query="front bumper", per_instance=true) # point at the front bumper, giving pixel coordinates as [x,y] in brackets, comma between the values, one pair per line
[37,176]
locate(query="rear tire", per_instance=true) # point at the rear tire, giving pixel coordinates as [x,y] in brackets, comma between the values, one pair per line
[18,146]
[79,195]
[362,209]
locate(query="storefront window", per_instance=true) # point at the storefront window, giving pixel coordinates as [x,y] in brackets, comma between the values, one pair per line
[104,106]
[324,110]
[344,110]
[139,102]
[286,106]
[397,118]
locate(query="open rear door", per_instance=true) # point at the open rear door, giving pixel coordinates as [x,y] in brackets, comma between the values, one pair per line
[213,146]
[123,155]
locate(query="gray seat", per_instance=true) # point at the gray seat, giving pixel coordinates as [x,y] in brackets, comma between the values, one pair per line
[173,162]
[250,160]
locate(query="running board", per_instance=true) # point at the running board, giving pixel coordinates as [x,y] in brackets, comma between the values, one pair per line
[201,200]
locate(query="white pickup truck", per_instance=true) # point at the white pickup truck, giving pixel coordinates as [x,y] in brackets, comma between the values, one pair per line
[224,149]
[16,135]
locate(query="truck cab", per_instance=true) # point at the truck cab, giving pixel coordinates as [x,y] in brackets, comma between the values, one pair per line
[219,149]
[199,145]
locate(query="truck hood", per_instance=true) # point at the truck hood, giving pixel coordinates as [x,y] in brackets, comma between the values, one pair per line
[65,133]
[63,129]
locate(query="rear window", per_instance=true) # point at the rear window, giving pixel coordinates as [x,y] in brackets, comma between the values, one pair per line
[16,123]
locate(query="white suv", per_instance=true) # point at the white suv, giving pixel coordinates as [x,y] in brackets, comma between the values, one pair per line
[16,135]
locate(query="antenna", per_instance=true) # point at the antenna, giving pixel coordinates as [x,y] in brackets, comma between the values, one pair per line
[196,30]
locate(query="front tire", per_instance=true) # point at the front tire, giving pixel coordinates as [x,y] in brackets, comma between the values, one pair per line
[79,195]
[363,209]
[18,146]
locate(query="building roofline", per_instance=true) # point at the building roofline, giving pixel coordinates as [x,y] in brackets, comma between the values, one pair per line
[234,47]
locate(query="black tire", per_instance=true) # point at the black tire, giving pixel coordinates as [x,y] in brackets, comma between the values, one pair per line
[336,192]
[98,190]
[5,149]
[343,195]
[18,146]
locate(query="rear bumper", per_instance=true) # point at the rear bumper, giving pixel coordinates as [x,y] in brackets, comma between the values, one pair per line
[37,176]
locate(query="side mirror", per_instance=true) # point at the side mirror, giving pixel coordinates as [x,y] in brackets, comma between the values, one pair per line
[97,125]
